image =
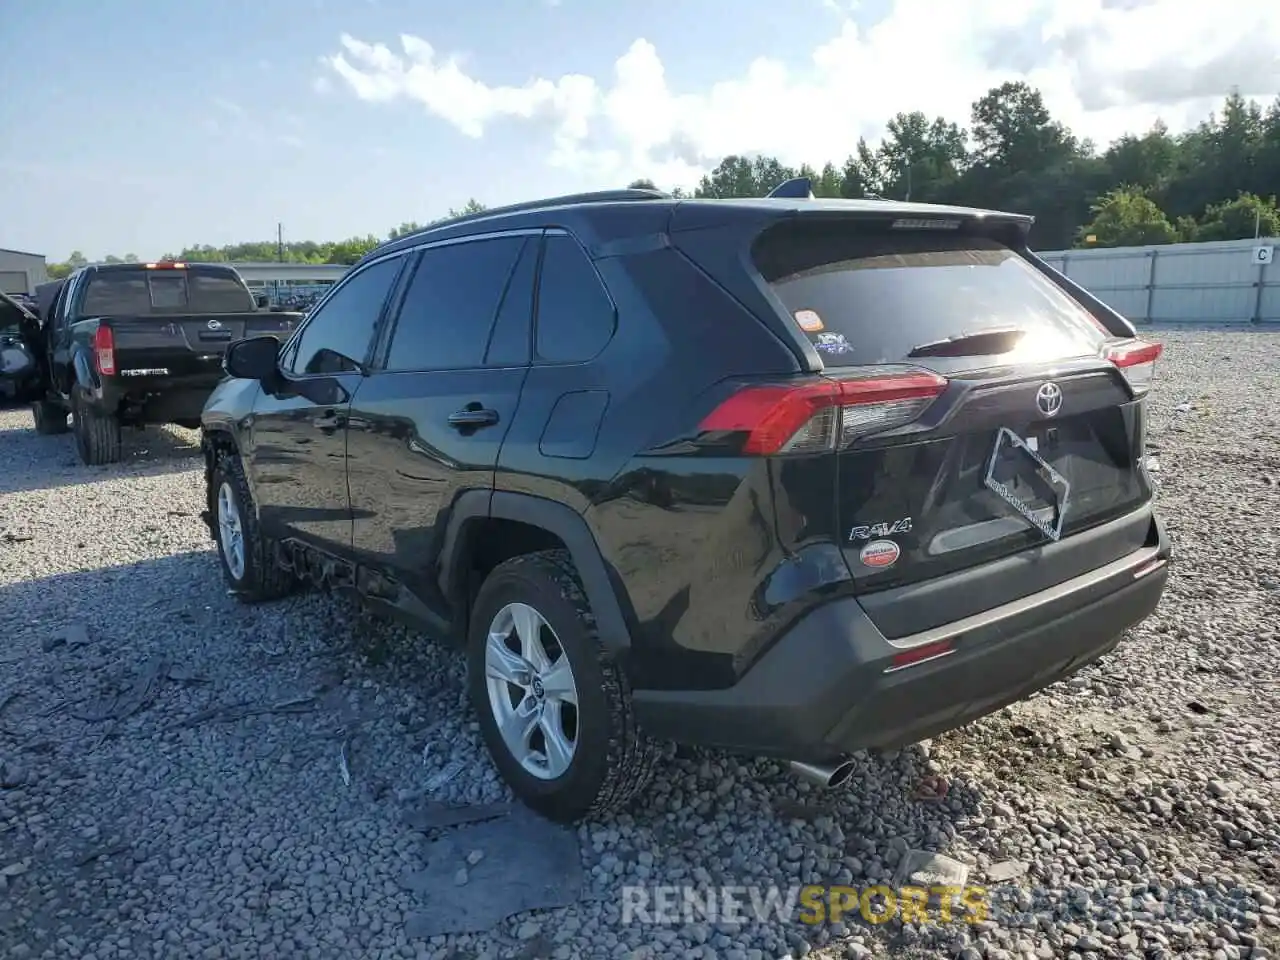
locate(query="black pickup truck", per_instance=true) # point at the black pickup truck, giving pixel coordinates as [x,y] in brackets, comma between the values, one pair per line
[139,344]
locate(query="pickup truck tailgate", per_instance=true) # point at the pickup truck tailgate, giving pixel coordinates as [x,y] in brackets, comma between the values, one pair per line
[187,345]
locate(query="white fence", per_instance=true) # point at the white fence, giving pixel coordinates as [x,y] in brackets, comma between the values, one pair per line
[1232,281]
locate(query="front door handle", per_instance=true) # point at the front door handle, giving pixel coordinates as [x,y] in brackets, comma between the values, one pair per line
[473,416]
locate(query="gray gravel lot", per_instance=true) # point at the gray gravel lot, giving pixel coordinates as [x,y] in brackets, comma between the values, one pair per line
[181,776]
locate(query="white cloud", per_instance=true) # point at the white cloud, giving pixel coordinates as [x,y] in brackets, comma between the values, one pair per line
[228,106]
[1104,66]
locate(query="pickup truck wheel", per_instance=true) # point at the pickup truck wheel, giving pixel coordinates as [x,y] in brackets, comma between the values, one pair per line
[554,708]
[245,555]
[97,435]
[50,418]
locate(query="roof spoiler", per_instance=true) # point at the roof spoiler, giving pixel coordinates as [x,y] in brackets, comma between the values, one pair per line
[797,188]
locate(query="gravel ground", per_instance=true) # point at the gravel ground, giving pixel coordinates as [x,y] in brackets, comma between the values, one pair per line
[181,776]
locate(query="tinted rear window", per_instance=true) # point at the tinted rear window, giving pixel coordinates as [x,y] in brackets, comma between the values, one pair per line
[126,293]
[872,295]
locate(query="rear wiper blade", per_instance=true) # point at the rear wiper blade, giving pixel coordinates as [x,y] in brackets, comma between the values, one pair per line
[982,342]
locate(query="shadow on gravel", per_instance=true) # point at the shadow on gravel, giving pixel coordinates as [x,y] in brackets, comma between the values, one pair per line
[29,461]
[149,589]
[307,711]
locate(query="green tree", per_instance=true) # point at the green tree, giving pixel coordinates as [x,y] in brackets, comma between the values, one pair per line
[1126,217]
[406,228]
[352,249]
[1013,130]
[920,159]
[1148,161]
[829,182]
[1247,216]
[738,176]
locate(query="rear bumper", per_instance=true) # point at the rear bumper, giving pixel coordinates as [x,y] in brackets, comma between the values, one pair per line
[828,687]
[159,400]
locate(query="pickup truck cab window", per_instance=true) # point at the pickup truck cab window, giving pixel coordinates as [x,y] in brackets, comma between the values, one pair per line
[194,289]
[337,336]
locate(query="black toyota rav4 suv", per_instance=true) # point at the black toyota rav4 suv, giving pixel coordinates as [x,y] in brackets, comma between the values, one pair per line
[784,476]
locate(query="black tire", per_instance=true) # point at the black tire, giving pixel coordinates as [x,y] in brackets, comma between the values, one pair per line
[613,761]
[97,435]
[262,579]
[50,418]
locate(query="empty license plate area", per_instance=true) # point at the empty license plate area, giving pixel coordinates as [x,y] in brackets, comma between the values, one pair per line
[1027,483]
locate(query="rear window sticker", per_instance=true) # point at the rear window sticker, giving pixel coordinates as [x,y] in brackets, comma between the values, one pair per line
[833,343]
[809,321]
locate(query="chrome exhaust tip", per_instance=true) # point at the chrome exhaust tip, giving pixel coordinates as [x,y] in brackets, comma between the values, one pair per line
[822,774]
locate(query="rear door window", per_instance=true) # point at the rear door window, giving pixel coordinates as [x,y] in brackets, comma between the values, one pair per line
[867,294]
[449,307]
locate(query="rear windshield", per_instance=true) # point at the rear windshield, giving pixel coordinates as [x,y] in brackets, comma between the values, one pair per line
[129,293]
[873,295]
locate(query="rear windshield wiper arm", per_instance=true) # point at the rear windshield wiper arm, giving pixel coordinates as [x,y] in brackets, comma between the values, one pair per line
[997,341]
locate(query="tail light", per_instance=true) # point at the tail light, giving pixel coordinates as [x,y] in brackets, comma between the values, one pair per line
[1137,361]
[824,415]
[104,351]
[921,654]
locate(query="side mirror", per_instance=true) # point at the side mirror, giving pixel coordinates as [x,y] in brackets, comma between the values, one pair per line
[262,301]
[254,358]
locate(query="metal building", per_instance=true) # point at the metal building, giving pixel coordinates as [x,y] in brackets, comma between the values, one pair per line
[1227,281]
[20,272]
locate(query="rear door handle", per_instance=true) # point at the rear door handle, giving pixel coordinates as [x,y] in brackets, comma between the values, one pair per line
[472,416]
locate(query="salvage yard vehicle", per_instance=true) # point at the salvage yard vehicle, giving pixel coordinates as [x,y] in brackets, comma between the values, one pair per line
[137,344]
[784,476]
[19,370]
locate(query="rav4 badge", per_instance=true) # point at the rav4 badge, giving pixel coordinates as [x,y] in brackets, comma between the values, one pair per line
[879,553]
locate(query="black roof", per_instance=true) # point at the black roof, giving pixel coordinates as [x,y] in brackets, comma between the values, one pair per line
[604,216]
[134,265]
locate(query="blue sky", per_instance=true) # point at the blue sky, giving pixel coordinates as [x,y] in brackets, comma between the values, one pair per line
[145,126]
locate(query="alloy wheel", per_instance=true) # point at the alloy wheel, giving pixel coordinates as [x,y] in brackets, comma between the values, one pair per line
[532,691]
[231,531]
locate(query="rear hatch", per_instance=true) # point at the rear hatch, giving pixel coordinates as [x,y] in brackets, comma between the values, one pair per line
[981,419]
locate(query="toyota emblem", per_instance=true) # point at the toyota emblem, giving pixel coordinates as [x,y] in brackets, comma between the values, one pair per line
[214,325]
[1049,399]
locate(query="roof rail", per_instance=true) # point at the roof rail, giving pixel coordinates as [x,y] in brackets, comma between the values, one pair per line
[797,188]
[596,196]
